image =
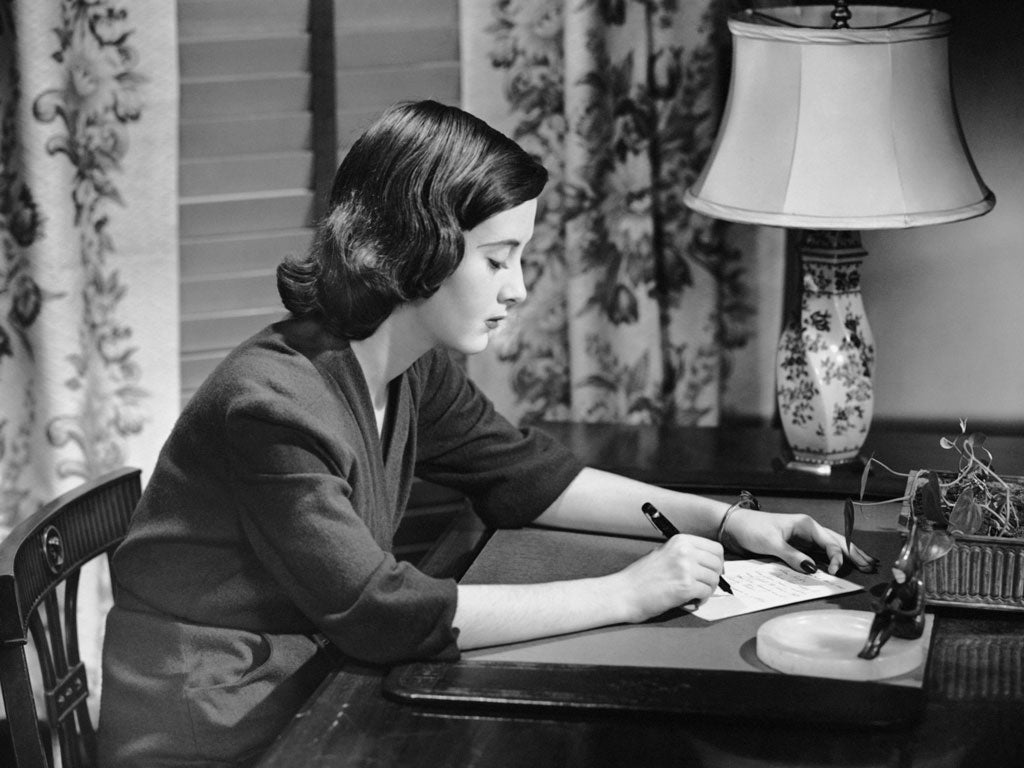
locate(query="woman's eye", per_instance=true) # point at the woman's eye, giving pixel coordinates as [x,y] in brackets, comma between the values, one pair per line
[495,265]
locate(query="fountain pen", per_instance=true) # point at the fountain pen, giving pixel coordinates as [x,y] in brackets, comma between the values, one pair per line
[668,530]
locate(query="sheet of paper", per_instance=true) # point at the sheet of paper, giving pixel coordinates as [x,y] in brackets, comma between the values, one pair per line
[761,584]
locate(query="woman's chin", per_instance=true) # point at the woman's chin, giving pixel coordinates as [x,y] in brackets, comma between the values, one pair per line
[473,347]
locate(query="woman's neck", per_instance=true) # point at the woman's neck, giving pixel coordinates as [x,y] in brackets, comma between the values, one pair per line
[387,354]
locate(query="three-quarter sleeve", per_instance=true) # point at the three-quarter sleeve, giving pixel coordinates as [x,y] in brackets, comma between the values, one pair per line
[511,475]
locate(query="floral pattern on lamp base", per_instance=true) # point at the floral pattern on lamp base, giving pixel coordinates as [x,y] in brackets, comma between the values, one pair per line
[824,363]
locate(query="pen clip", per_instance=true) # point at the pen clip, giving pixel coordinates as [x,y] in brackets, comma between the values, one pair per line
[650,519]
[659,521]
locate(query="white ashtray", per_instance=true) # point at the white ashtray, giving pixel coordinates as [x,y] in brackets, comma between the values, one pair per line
[825,643]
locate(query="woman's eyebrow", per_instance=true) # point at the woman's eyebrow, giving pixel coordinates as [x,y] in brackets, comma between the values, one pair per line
[512,242]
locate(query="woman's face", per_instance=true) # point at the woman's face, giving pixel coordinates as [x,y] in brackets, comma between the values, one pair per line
[488,282]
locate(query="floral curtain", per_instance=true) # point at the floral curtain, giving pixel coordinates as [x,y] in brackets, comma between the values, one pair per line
[88,223]
[639,310]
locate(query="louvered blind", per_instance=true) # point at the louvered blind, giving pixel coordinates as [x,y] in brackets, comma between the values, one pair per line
[247,164]
[248,167]
[391,50]
[245,168]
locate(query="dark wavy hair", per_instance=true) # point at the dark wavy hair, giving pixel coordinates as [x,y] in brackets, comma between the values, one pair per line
[418,178]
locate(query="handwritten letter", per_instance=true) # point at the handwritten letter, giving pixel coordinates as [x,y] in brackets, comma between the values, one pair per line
[761,584]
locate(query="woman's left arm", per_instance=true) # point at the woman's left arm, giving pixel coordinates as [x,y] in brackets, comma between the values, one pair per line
[608,503]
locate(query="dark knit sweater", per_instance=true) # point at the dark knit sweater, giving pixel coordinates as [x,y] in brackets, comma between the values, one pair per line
[273,504]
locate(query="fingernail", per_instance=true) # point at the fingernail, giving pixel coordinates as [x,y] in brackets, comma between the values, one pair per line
[808,566]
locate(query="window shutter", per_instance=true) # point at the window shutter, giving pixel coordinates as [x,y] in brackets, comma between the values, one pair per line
[393,50]
[248,168]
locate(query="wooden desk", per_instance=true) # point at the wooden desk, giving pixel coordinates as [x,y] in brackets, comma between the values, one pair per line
[972,718]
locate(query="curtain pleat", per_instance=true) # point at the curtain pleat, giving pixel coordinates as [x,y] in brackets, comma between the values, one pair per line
[638,308]
[88,280]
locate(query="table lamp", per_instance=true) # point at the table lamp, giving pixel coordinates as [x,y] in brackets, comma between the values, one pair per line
[838,119]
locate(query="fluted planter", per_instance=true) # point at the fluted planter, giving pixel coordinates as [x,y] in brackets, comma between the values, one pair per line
[979,571]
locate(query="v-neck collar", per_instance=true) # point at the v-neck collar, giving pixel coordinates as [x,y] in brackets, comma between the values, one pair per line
[386,450]
[389,440]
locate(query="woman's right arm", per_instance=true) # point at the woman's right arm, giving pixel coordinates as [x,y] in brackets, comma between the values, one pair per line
[682,572]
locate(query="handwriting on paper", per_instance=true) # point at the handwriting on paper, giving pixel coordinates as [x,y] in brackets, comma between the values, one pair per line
[761,584]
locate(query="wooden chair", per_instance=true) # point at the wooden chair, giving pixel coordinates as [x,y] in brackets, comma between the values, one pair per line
[40,561]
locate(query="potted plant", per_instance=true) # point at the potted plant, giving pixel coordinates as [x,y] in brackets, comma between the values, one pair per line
[983,513]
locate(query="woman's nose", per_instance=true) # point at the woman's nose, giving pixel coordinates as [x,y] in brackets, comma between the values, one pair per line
[513,290]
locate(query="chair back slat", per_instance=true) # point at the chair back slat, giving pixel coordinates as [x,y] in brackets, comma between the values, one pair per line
[53,630]
[40,561]
[71,619]
[44,649]
[86,732]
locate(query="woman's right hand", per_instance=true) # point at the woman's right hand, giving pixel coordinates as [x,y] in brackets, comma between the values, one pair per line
[682,573]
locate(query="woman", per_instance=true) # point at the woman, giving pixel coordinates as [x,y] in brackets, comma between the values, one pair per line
[267,523]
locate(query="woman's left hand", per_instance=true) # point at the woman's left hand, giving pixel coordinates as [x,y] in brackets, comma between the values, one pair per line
[765,533]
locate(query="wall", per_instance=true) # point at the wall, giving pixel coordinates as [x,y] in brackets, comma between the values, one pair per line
[944,302]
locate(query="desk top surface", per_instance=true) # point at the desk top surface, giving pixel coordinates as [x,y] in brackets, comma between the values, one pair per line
[971,717]
[724,459]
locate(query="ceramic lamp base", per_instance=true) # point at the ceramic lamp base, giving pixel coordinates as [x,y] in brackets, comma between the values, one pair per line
[826,356]
[825,470]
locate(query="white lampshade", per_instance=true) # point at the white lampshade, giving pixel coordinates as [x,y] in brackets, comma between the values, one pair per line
[840,128]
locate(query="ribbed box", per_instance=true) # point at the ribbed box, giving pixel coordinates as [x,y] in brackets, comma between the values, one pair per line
[978,572]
